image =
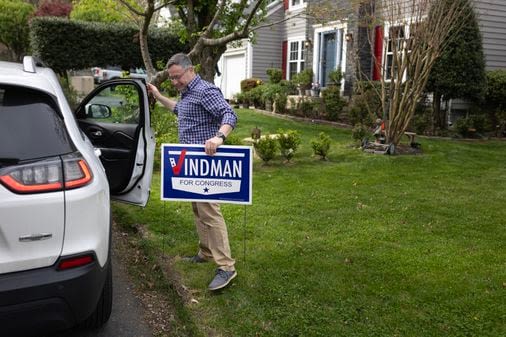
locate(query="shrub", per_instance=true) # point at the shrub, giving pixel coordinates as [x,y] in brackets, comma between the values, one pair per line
[14,28]
[233,139]
[321,145]
[335,77]
[304,79]
[250,83]
[289,142]
[420,123]
[270,91]
[470,126]
[462,126]
[359,132]
[306,108]
[53,8]
[275,75]
[333,102]
[164,125]
[266,148]
[495,98]
[365,105]
[64,44]
[289,87]
[280,102]
[165,128]
[256,96]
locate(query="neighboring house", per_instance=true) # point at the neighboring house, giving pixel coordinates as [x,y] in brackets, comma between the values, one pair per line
[244,59]
[300,43]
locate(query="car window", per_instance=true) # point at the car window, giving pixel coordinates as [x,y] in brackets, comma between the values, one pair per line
[31,125]
[115,104]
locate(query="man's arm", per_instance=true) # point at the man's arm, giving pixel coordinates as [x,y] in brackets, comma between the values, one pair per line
[166,102]
[214,102]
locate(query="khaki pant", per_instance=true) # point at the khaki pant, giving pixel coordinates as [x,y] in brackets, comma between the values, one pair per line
[213,235]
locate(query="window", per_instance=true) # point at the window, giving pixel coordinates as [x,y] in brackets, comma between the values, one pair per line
[294,4]
[116,104]
[31,124]
[296,57]
[398,42]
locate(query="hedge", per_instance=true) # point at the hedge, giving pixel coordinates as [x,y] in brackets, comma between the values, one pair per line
[63,44]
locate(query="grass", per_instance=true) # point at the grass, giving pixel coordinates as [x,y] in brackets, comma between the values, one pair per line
[359,245]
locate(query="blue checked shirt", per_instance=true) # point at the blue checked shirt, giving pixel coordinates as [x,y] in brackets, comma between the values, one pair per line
[201,111]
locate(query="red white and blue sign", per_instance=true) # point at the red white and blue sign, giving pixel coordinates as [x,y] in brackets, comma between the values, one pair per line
[189,174]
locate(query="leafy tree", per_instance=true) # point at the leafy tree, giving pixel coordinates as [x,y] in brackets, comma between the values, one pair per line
[14,29]
[54,8]
[206,25]
[100,11]
[460,71]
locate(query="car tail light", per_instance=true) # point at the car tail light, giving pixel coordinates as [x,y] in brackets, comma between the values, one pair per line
[47,175]
[74,262]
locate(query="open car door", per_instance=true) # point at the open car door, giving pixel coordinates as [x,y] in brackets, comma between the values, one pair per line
[115,117]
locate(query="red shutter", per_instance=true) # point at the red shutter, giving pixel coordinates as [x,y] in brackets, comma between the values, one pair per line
[285,4]
[284,58]
[378,53]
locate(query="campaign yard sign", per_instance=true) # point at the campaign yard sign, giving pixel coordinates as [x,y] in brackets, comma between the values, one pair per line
[188,174]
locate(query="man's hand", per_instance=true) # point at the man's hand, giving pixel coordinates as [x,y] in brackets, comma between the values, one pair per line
[212,144]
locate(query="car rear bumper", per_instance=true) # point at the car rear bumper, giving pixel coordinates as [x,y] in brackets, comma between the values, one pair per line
[46,299]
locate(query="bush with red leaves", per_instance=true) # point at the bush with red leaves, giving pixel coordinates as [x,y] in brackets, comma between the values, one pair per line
[54,8]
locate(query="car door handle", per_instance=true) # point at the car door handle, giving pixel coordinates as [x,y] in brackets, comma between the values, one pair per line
[97,133]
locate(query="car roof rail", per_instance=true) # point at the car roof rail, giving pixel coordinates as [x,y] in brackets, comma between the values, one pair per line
[30,64]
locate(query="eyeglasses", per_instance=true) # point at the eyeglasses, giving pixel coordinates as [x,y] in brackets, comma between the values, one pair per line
[178,77]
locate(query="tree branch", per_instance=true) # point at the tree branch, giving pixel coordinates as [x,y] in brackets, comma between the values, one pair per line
[211,25]
[250,16]
[132,9]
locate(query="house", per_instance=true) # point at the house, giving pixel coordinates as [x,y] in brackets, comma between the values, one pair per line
[300,42]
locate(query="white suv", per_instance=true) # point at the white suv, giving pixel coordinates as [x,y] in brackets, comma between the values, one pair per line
[58,171]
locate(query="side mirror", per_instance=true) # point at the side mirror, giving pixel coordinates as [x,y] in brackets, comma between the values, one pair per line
[98,111]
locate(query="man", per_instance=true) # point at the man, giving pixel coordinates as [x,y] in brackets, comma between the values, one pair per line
[204,117]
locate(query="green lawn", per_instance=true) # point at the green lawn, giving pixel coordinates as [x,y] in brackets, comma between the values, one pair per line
[359,245]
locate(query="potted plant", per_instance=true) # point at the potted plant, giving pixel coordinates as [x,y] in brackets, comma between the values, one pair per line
[315,89]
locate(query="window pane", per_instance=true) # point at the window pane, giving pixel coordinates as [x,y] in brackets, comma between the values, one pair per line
[294,51]
[292,69]
[31,124]
[123,102]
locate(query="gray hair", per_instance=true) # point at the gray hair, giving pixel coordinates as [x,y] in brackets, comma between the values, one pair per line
[180,59]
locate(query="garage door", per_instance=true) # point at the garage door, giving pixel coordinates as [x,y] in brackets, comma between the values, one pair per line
[234,71]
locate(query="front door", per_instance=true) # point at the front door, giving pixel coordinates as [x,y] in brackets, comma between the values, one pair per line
[330,54]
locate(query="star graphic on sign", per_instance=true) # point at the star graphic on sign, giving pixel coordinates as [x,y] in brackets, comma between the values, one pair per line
[206,190]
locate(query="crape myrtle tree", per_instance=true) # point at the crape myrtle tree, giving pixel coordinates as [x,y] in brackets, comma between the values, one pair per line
[206,25]
[460,71]
[416,34]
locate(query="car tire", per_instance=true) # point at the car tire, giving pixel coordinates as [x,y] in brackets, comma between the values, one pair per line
[104,306]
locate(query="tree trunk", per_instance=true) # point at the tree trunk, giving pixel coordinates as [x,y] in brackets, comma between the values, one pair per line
[436,111]
[439,116]
[207,58]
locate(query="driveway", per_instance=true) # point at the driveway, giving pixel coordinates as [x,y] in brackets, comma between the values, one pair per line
[127,319]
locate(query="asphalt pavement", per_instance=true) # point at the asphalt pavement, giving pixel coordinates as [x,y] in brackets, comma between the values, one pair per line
[127,313]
